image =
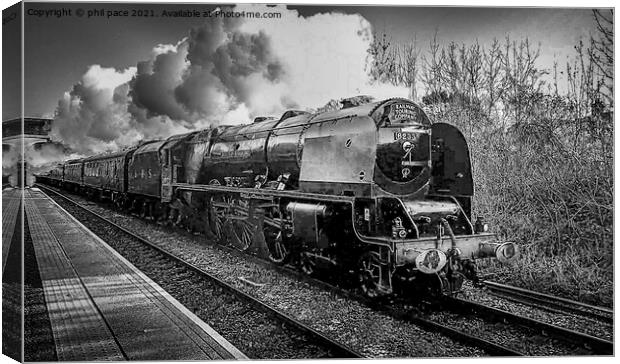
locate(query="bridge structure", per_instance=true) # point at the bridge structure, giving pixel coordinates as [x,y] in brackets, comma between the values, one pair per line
[36,129]
[19,135]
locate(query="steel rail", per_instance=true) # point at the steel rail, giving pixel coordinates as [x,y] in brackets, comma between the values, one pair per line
[405,316]
[589,342]
[338,349]
[596,345]
[408,316]
[549,302]
[457,335]
[411,317]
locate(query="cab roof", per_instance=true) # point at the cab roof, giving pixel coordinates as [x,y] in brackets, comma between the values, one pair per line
[151,147]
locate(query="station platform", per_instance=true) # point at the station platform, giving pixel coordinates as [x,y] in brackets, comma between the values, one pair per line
[11,201]
[100,306]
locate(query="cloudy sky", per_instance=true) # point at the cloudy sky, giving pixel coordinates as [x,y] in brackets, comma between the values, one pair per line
[114,80]
[58,51]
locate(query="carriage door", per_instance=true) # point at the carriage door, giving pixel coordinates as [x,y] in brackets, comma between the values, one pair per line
[166,175]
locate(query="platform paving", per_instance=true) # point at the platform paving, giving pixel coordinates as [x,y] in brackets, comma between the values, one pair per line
[103,308]
[11,200]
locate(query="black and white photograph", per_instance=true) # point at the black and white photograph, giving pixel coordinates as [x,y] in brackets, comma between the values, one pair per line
[197,181]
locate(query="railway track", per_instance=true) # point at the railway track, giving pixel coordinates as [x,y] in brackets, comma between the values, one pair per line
[590,343]
[408,315]
[396,312]
[548,302]
[401,312]
[465,308]
[155,253]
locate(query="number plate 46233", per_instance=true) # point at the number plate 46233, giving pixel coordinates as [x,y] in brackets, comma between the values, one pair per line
[405,136]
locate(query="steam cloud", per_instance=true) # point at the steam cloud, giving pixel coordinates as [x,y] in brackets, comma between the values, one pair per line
[226,71]
[10,157]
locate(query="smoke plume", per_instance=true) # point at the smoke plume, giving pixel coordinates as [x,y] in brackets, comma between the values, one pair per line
[10,157]
[93,117]
[226,71]
[45,156]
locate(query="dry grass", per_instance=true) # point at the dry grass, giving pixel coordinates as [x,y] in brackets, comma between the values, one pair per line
[554,199]
[560,210]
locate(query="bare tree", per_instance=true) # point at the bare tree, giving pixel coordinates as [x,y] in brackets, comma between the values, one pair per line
[521,78]
[383,66]
[603,51]
[407,56]
[473,69]
[451,70]
[582,88]
[432,73]
[493,75]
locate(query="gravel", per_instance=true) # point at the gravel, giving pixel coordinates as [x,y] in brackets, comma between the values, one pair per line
[372,333]
[523,340]
[235,320]
[569,321]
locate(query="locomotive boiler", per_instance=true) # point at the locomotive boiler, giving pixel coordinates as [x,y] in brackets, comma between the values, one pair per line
[373,192]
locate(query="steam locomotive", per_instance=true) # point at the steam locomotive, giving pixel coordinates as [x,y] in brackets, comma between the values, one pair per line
[374,192]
